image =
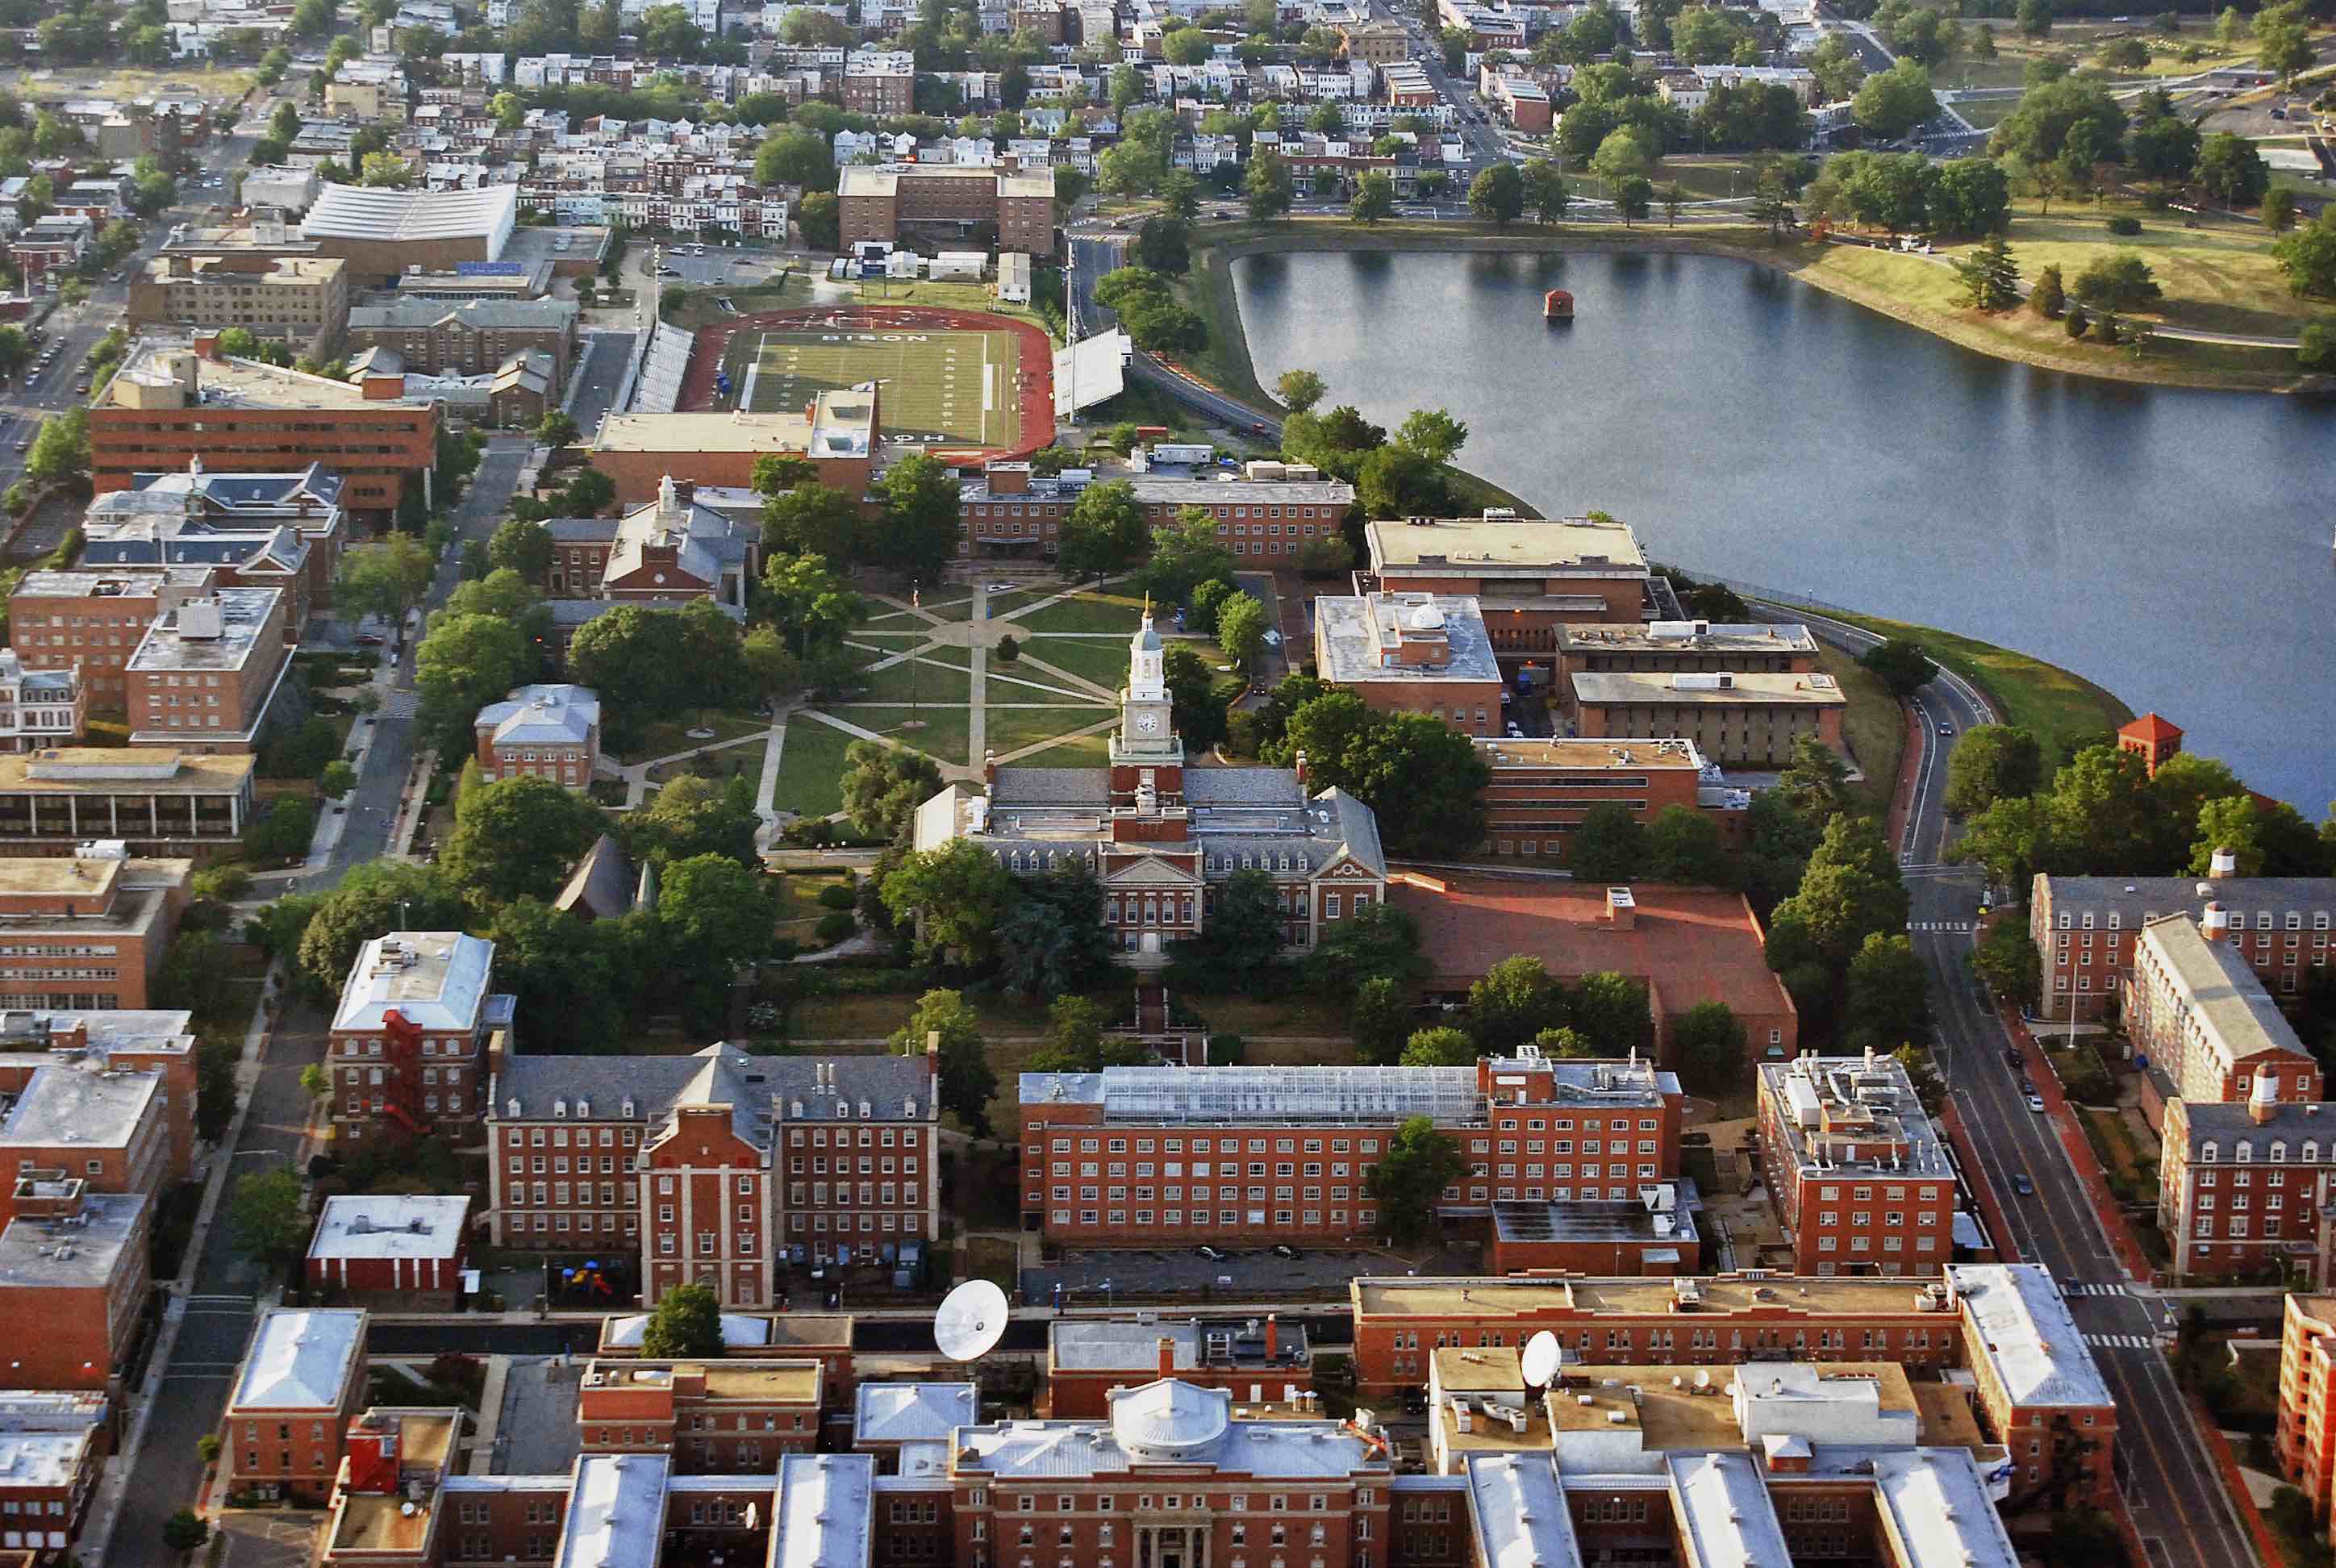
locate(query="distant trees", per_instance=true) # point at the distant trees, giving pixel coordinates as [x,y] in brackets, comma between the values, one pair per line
[1147,307]
[966,1078]
[883,785]
[1105,533]
[1892,102]
[1903,665]
[1990,763]
[1422,778]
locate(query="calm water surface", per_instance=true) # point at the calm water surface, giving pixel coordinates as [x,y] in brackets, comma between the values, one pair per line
[2174,546]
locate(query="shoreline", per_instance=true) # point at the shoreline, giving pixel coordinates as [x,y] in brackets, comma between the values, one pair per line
[1216,246]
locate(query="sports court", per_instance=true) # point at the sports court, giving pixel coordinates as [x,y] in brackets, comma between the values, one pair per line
[939,384]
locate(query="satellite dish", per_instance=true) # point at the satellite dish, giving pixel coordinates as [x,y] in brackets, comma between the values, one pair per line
[1540,1359]
[970,1322]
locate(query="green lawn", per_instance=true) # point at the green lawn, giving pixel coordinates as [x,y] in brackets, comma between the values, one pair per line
[1702,179]
[1012,728]
[2050,702]
[811,768]
[1020,682]
[1102,661]
[951,386]
[731,762]
[1080,751]
[1876,725]
[895,683]
[949,606]
[1089,611]
[943,736]
[671,735]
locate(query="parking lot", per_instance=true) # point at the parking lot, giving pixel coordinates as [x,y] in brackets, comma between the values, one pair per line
[1243,1274]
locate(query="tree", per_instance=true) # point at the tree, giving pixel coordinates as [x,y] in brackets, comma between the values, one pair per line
[815,518]
[1408,1183]
[1849,889]
[385,580]
[921,528]
[1615,1011]
[1396,481]
[1268,185]
[1299,390]
[464,663]
[1196,705]
[687,1321]
[2284,42]
[956,895]
[373,900]
[1164,244]
[516,837]
[2164,146]
[2230,27]
[185,1529]
[797,157]
[2231,170]
[2100,813]
[2278,210]
[883,785]
[282,832]
[966,1080]
[1902,665]
[2006,962]
[1244,934]
[268,1217]
[1682,844]
[1440,1047]
[522,547]
[1185,559]
[1627,152]
[1497,196]
[1374,199]
[1378,1017]
[1892,102]
[2012,837]
[1889,1002]
[1432,434]
[2307,254]
[2048,117]
[1837,66]
[60,452]
[1381,942]
[1105,533]
[2035,18]
[2120,281]
[1545,191]
[1990,763]
[694,817]
[2315,349]
[1513,1002]
[715,921]
[2049,297]
[1973,196]
[1713,1048]
[821,218]
[2231,824]
[1242,629]
[386,169]
[1634,197]
[1608,846]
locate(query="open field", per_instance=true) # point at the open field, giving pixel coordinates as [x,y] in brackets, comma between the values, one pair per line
[943,737]
[2058,708]
[811,768]
[938,385]
[1078,751]
[672,735]
[1012,728]
[1102,661]
[1875,725]
[1087,611]
[913,679]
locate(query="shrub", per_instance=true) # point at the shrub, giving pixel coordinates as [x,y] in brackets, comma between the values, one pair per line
[2317,350]
[1009,650]
[836,926]
[338,779]
[838,896]
[2125,224]
[2076,321]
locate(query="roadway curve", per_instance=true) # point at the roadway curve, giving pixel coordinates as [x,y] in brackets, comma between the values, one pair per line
[2174,1491]
[1093,254]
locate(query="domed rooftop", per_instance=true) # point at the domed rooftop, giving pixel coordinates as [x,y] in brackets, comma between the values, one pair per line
[1168,1419]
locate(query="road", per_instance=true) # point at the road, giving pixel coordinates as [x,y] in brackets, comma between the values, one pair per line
[1094,253]
[603,367]
[2174,1489]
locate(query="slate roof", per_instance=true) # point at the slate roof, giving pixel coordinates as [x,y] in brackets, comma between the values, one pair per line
[604,883]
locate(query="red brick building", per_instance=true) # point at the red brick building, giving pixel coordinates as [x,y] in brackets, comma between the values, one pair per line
[409,1249]
[2197,1010]
[1013,514]
[2307,1383]
[550,732]
[112,1040]
[408,1053]
[948,201]
[96,620]
[1543,788]
[879,82]
[75,1275]
[1530,576]
[205,674]
[302,1381]
[56,1445]
[2150,738]
[1411,653]
[2085,929]
[2041,1394]
[645,452]
[1158,1156]
[1859,1177]
[726,1416]
[2241,1185]
[1257,1361]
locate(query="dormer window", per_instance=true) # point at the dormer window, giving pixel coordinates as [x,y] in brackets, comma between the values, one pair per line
[2207,1153]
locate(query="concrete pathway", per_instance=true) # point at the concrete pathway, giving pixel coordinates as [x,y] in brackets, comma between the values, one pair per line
[977,729]
[636,775]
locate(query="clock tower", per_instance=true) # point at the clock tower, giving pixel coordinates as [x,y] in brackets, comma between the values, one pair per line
[1147,742]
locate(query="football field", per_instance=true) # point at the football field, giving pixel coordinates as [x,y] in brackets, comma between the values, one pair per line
[942,386]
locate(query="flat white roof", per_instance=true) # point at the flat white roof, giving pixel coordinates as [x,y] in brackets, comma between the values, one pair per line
[1937,1509]
[390,1226]
[81,1104]
[1522,1517]
[913,1412]
[299,1360]
[2023,1327]
[616,1512]
[822,1517]
[1724,1513]
[436,980]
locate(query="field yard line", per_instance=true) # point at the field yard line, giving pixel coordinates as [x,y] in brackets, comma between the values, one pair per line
[753,372]
[985,387]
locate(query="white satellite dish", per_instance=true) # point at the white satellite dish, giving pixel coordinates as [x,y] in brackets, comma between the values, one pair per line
[970,1322]
[1539,1358]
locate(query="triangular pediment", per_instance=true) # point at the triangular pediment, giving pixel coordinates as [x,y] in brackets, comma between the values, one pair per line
[1150,871]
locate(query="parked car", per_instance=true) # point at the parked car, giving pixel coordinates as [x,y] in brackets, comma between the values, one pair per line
[370,639]
[2027,1085]
[1284,1250]
[2036,1103]
[2013,1059]
[1211,1253]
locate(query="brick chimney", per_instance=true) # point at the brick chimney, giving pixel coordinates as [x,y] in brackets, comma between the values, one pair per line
[685,491]
[207,343]
[2262,1100]
[1167,1358]
[2215,923]
[1298,766]
[989,770]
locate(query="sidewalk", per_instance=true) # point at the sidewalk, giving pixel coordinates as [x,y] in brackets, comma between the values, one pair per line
[2080,1148]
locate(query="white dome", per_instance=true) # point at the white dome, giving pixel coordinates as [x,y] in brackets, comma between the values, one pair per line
[1426,618]
[1169,1420]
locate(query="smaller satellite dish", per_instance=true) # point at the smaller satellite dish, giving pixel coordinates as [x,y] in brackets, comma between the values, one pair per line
[970,1322]
[1539,1358]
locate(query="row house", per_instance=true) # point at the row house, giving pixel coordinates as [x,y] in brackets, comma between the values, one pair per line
[713,1166]
[1152,1156]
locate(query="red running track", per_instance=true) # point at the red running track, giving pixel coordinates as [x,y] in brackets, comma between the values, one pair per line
[1036,369]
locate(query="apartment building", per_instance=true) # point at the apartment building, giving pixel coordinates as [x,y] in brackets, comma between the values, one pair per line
[153,802]
[1859,1177]
[467,336]
[886,202]
[1751,720]
[51,247]
[879,82]
[1399,1322]
[94,620]
[2041,1394]
[2198,1010]
[1419,653]
[2307,1383]
[1542,788]
[717,1418]
[1157,1156]
[1528,577]
[203,677]
[302,1381]
[837,435]
[1376,43]
[173,402]
[86,932]
[157,1041]
[39,708]
[56,1444]
[408,1051]
[409,1248]
[299,301]
[74,1278]
[1013,514]
[2086,928]
[259,530]
[550,732]
[2242,1186]
[686,1151]
[1257,1361]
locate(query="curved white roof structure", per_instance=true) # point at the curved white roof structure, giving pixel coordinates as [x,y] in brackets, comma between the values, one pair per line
[362,212]
[1169,1420]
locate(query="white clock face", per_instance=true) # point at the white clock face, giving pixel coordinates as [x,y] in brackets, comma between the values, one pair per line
[1146,723]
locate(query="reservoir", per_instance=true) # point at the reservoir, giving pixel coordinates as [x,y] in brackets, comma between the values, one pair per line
[2174,546]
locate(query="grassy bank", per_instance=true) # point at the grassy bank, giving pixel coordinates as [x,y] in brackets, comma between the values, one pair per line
[1874,726]
[2057,706]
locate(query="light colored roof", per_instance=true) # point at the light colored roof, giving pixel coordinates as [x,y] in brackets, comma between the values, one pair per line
[1634,688]
[2024,1330]
[1934,1506]
[196,635]
[364,213]
[1723,1513]
[1168,1419]
[43,1459]
[1446,1095]
[76,770]
[1680,636]
[300,1360]
[821,1518]
[913,1412]
[2222,990]
[436,980]
[739,1331]
[37,1254]
[1599,756]
[1114,1344]
[1356,638]
[734,431]
[408,313]
[543,716]
[1499,547]
[1521,1517]
[83,1104]
[390,1226]
[616,1512]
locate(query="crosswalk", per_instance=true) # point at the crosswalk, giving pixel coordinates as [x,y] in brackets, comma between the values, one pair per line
[2095,1287]
[2120,1342]
[1938,925]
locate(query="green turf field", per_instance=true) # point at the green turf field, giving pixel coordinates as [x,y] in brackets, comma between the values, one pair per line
[942,386]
